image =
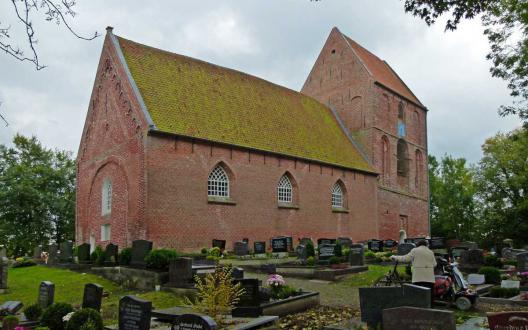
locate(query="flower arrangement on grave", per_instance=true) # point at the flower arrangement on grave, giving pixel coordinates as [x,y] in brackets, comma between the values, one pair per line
[523,277]
[278,287]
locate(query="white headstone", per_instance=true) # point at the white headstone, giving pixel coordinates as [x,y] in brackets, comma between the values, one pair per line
[403,236]
[476,279]
[508,284]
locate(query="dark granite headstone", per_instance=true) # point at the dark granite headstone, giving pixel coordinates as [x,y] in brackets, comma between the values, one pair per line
[134,313]
[437,243]
[522,262]
[219,243]
[246,240]
[11,307]
[471,259]
[456,252]
[405,248]
[37,252]
[268,268]
[418,319]
[194,322]
[4,264]
[390,243]
[508,321]
[66,252]
[302,253]
[53,256]
[237,273]
[46,294]
[111,255]
[241,249]
[140,249]
[322,241]
[83,253]
[259,247]
[356,255]
[279,244]
[181,273]
[326,251]
[374,300]
[345,242]
[414,240]
[249,303]
[93,296]
[375,245]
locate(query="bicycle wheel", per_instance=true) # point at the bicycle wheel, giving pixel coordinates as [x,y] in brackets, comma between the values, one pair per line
[383,281]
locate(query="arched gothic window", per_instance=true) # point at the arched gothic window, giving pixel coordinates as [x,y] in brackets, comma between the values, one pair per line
[285,190]
[218,183]
[402,158]
[106,197]
[401,111]
[337,196]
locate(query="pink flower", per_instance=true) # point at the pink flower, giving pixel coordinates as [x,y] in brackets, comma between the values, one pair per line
[275,280]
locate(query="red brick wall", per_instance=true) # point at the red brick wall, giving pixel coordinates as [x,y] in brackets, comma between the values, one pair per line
[180,216]
[111,148]
[371,120]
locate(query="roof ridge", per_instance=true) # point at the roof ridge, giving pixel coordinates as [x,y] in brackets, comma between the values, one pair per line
[348,40]
[403,82]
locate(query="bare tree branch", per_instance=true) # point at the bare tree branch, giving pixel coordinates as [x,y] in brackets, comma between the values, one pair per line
[5,121]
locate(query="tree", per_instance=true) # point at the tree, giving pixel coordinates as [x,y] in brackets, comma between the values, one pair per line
[503,187]
[27,10]
[506,24]
[37,195]
[452,203]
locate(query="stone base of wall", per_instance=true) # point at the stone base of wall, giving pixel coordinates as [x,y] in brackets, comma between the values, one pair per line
[133,278]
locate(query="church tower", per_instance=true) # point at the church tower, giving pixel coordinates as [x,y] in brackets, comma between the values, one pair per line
[389,123]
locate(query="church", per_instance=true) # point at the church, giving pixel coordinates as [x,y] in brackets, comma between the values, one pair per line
[180,151]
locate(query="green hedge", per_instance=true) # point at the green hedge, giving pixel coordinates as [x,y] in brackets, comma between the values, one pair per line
[86,318]
[492,274]
[498,292]
[160,258]
[52,316]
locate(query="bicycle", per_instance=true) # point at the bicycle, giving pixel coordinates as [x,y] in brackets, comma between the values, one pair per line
[392,278]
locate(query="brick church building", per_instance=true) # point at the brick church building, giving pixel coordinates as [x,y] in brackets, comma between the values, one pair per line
[180,151]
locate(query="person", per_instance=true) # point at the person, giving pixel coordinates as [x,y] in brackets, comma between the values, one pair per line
[423,263]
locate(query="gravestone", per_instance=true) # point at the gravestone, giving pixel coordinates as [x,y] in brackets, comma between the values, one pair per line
[418,319]
[509,284]
[259,247]
[246,240]
[3,252]
[53,256]
[237,273]
[375,245]
[289,243]
[322,241]
[508,320]
[374,300]
[66,252]
[11,307]
[249,303]
[405,248]
[4,264]
[111,255]
[93,296]
[140,249]
[471,259]
[469,245]
[83,253]
[279,244]
[456,252]
[194,322]
[37,252]
[389,243]
[302,253]
[134,313]
[219,243]
[522,262]
[476,279]
[181,273]
[437,243]
[241,249]
[356,255]
[268,269]
[326,251]
[46,294]
[345,242]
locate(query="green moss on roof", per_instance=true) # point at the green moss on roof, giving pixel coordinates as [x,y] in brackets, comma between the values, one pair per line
[193,98]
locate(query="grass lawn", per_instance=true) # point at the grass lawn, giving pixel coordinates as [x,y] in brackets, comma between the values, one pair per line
[368,278]
[69,287]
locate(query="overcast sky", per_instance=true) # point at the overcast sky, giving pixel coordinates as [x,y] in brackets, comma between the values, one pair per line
[277,40]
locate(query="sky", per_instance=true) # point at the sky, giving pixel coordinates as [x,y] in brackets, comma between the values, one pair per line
[278,40]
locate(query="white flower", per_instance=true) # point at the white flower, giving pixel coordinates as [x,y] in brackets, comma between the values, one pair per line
[67,317]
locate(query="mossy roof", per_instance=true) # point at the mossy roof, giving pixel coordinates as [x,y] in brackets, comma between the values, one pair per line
[193,98]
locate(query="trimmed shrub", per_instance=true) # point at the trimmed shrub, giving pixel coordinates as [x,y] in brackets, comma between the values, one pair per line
[338,250]
[493,261]
[98,256]
[346,253]
[9,322]
[492,274]
[203,251]
[52,316]
[84,317]
[215,252]
[23,262]
[285,292]
[310,261]
[89,326]
[33,312]
[370,255]
[125,256]
[310,250]
[498,292]
[334,260]
[509,262]
[160,258]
